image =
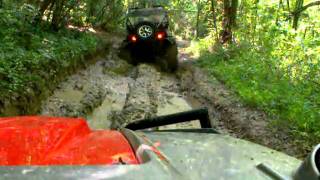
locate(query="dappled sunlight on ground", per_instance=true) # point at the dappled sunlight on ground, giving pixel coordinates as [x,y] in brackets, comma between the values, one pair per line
[82,29]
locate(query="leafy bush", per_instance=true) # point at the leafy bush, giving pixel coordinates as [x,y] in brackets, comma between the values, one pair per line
[31,55]
[261,84]
[273,67]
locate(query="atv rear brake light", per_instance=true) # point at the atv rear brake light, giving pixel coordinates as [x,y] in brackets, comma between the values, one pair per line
[133,38]
[160,35]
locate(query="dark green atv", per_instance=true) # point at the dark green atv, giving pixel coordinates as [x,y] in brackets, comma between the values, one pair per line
[148,38]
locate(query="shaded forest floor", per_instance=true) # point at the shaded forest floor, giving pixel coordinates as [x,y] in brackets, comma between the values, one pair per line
[112,92]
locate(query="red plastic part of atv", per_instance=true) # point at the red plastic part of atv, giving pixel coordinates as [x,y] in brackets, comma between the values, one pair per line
[60,141]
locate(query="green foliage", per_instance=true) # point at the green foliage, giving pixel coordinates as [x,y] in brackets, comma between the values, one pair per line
[106,14]
[31,55]
[271,66]
[183,17]
[261,84]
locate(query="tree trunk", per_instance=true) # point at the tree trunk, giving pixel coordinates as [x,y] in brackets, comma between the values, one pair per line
[280,5]
[296,14]
[57,14]
[198,18]
[43,7]
[288,5]
[303,8]
[234,7]
[214,17]
[299,9]
[229,20]
[256,17]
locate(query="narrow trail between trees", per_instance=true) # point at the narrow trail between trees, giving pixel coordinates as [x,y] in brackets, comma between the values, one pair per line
[112,92]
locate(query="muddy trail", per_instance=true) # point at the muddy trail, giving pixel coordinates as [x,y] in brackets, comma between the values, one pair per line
[112,92]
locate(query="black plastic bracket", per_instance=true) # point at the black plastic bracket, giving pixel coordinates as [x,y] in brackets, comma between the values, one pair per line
[198,114]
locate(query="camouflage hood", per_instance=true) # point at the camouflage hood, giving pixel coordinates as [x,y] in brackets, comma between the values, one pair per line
[152,15]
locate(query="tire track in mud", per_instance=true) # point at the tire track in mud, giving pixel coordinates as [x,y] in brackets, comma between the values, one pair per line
[112,93]
[139,103]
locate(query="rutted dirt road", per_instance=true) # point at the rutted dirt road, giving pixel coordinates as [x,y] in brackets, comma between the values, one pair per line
[112,92]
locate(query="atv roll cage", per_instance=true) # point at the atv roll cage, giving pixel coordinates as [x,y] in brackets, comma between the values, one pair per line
[134,4]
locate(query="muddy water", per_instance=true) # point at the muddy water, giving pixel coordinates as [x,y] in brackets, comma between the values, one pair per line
[111,93]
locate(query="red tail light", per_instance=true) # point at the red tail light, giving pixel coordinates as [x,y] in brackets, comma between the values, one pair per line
[160,35]
[133,38]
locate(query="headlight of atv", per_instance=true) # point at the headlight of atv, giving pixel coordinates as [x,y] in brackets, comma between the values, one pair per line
[145,31]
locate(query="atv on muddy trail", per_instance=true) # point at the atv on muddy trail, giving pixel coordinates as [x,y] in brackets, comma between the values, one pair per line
[148,38]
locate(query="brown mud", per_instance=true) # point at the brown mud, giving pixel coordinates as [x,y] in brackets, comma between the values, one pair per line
[112,92]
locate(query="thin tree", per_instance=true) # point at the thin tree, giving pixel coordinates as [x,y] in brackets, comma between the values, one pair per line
[60,11]
[229,20]
[214,18]
[43,7]
[254,26]
[198,18]
[299,8]
[288,5]
[57,14]
[296,14]
[280,6]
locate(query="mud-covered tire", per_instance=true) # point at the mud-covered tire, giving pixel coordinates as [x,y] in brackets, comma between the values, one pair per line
[171,57]
[126,54]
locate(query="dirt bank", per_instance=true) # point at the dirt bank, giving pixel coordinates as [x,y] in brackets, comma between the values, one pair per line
[229,115]
[29,102]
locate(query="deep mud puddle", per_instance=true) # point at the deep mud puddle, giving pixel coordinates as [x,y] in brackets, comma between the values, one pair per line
[112,93]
